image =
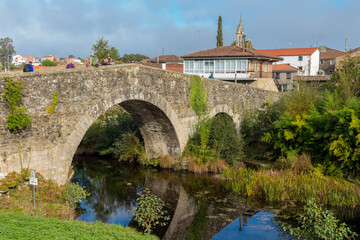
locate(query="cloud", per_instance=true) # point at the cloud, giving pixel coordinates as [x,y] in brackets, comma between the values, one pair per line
[42,27]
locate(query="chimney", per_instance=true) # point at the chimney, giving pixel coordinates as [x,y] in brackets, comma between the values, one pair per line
[345,44]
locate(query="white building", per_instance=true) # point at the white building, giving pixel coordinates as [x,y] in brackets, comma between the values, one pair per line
[307,60]
[18,60]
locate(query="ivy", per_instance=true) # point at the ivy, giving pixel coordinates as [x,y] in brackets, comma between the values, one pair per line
[12,96]
[51,109]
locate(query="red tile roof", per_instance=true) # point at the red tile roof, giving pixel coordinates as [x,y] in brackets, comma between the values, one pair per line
[164,59]
[283,68]
[331,55]
[231,51]
[289,51]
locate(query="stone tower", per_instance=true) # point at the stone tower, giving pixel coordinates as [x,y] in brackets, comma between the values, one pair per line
[240,35]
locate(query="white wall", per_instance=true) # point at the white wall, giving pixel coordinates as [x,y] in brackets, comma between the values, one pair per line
[309,63]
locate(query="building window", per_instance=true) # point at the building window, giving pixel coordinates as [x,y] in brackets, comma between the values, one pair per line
[332,62]
[288,75]
[189,67]
[266,67]
[219,66]
[300,58]
[321,62]
[209,66]
[300,68]
[256,66]
[277,75]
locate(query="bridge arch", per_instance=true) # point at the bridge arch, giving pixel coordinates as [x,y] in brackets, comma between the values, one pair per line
[157,121]
[223,108]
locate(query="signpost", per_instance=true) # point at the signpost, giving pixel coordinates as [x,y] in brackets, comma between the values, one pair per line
[33,182]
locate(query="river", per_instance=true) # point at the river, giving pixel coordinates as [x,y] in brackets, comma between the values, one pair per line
[199,206]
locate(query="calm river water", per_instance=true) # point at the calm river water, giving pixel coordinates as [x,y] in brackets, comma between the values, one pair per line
[200,207]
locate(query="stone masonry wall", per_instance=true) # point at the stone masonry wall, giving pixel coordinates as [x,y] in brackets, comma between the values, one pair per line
[157,99]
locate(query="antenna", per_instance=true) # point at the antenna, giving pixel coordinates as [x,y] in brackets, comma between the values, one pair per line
[345,44]
[198,31]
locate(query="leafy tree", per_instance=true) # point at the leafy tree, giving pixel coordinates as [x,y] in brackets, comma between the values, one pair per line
[247,42]
[347,77]
[133,57]
[219,37]
[6,49]
[223,137]
[71,56]
[114,53]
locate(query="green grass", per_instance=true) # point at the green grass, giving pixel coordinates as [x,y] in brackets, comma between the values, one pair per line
[21,226]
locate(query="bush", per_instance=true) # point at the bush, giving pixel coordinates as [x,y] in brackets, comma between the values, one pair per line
[149,211]
[75,193]
[48,63]
[317,223]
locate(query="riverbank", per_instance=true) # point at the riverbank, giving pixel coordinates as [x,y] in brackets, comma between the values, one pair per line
[22,226]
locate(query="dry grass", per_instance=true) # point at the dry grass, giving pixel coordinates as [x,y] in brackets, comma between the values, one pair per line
[166,161]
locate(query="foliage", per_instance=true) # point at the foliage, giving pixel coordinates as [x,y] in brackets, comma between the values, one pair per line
[223,138]
[149,211]
[317,223]
[291,184]
[129,147]
[48,63]
[6,49]
[104,135]
[51,109]
[102,49]
[71,56]
[114,53]
[219,37]
[197,98]
[133,57]
[51,200]
[17,118]
[347,77]
[22,226]
[75,193]
[258,125]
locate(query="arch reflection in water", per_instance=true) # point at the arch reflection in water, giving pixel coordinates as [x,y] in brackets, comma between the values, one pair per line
[199,206]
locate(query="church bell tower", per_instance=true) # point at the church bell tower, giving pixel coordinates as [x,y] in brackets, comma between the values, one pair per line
[240,35]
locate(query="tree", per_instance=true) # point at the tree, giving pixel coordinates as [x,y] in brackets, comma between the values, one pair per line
[133,57]
[219,37]
[6,50]
[71,56]
[102,49]
[347,77]
[114,53]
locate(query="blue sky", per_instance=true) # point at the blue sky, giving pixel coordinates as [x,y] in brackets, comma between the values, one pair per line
[63,27]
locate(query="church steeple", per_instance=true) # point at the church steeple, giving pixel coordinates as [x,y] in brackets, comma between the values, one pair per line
[240,35]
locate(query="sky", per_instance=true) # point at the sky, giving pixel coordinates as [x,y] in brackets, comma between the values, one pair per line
[149,27]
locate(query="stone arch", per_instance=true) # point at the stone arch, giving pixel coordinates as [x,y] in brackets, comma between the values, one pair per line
[159,124]
[223,108]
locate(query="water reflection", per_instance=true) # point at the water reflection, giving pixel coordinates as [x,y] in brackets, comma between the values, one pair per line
[199,206]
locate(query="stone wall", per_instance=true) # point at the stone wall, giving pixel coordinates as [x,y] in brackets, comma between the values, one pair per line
[157,99]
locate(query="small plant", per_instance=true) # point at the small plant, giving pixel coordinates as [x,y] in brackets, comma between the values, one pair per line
[317,223]
[149,211]
[17,118]
[75,193]
[51,109]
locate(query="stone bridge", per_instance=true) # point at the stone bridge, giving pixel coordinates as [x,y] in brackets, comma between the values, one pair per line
[157,100]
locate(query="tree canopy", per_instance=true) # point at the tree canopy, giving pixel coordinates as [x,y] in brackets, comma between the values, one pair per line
[6,49]
[133,57]
[102,49]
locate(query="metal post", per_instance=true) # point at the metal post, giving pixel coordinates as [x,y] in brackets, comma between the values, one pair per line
[34,195]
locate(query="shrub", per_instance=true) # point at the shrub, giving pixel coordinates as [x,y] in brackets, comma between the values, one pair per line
[75,193]
[317,223]
[48,63]
[51,109]
[166,161]
[149,211]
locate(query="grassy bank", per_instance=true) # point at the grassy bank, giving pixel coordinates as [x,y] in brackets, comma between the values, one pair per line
[289,185]
[21,226]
